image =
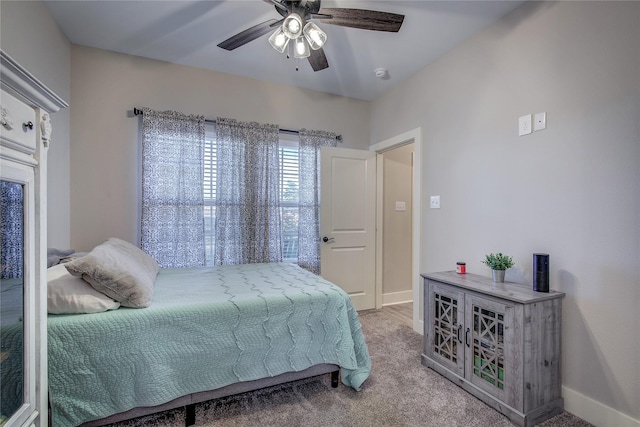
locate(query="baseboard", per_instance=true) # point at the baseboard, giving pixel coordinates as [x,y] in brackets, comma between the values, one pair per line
[397,297]
[595,412]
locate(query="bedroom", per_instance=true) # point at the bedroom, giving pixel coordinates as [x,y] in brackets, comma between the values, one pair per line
[571,191]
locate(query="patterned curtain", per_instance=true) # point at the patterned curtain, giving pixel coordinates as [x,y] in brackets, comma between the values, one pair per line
[172,229]
[11,235]
[309,221]
[248,226]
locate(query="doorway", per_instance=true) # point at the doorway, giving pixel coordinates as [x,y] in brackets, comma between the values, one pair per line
[397,205]
[393,295]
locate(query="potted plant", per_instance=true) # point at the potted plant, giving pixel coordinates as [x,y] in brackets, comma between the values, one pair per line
[498,264]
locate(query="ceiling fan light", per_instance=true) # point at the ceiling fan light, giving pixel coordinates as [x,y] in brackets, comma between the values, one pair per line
[279,40]
[292,26]
[301,48]
[314,35]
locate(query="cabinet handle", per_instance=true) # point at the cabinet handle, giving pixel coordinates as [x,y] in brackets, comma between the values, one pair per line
[459,330]
[28,124]
[466,337]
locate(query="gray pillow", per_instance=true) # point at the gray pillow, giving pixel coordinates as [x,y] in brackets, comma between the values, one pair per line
[55,255]
[119,270]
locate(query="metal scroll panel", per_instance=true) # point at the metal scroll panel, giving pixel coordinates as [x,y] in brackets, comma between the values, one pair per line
[445,327]
[488,346]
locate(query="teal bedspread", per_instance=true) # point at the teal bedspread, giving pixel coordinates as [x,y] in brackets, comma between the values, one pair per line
[206,328]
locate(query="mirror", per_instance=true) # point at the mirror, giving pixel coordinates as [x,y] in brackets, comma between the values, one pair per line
[11,298]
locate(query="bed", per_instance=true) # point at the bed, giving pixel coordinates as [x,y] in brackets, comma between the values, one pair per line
[207,333]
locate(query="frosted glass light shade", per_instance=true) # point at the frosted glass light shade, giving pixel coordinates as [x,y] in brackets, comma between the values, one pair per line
[279,40]
[314,35]
[292,26]
[301,48]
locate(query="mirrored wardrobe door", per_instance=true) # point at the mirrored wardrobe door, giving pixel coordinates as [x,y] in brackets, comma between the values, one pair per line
[17,291]
[11,298]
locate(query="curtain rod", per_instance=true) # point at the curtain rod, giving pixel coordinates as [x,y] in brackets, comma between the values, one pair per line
[138,112]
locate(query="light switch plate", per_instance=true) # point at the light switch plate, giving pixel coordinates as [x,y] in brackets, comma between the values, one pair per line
[524,125]
[540,121]
[401,206]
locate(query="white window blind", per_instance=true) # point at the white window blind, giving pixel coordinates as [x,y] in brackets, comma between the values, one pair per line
[209,176]
[289,185]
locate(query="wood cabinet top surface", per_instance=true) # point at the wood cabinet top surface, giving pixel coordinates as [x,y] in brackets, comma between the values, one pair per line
[510,291]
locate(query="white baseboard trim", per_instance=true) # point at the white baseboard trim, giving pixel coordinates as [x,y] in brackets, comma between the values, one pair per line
[397,297]
[595,412]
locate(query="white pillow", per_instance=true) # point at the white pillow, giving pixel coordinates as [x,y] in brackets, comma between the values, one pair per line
[119,270]
[67,294]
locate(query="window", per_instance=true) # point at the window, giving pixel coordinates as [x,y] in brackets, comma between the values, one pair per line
[288,189]
[209,172]
[289,186]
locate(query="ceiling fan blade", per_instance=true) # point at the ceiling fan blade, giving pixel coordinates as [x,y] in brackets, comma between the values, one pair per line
[318,60]
[277,4]
[250,34]
[361,18]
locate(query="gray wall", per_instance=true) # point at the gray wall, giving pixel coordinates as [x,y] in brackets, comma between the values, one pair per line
[104,155]
[570,190]
[30,36]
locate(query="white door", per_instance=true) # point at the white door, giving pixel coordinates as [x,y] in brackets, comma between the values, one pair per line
[347,222]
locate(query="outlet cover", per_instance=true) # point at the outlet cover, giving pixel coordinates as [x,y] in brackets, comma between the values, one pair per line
[435,202]
[540,121]
[524,125]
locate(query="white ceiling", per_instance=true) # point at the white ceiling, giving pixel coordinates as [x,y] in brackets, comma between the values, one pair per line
[188,32]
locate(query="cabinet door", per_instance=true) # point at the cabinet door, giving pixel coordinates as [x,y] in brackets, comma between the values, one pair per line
[491,337]
[18,314]
[445,333]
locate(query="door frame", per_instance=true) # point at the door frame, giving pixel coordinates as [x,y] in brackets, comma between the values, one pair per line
[415,136]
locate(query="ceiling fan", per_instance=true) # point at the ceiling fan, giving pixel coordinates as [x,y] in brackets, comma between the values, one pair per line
[305,37]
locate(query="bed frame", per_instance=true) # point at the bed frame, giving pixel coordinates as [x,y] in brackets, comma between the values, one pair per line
[189,401]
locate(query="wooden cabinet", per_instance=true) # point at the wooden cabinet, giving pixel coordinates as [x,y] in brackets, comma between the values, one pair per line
[499,341]
[25,130]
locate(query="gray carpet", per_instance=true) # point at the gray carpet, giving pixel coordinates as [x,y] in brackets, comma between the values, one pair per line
[399,392]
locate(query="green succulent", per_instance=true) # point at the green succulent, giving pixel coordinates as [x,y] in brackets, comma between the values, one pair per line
[498,261]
